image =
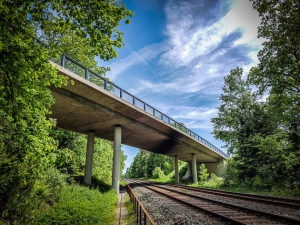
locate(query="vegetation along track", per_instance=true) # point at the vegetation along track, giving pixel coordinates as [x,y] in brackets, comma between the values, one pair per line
[237,211]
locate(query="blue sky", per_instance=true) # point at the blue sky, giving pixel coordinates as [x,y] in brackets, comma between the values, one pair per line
[177,53]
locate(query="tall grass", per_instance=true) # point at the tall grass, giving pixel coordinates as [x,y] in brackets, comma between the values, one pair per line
[80,206]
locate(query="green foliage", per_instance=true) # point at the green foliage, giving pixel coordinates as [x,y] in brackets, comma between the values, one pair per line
[158,173]
[277,75]
[46,190]
[81,205]
[203,175]
[145,163]
[25,99]
[231,173]
[264,137]
[83,29]
[131,217]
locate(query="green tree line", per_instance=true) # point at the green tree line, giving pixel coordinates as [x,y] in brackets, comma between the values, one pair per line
[37,160]
[145,162]
[259,115]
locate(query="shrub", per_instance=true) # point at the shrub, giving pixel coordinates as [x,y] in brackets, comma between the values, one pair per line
[203,173]
[158,173]
[213,182]
[79,206]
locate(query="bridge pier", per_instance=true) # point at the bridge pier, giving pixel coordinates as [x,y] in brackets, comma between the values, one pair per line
[176,169]
[189,173]
[194,169]
[117,159]
[216,168]
[89,158]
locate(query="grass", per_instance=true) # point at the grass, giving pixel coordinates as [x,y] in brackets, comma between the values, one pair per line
[130,218]
[79,206]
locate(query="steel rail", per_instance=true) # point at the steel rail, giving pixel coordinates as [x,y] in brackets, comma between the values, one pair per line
[212,207]
[257,198]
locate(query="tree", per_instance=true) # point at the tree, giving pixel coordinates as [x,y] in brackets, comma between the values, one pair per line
[278,72]
[26,74]
[278,75]
[203,175]
[240,119]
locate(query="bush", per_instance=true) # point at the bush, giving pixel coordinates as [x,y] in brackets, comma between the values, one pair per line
[79,206]
[213,182]
[203,173]
[158,173]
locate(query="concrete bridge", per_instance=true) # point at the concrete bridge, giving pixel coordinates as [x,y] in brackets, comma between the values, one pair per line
[102,109]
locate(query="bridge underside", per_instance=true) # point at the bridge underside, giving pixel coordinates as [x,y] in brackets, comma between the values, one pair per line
[84,106]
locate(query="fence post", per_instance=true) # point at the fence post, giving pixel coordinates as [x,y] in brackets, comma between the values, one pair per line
[105,84]
[137,212]
[86,75]
[140,215]
[63,60]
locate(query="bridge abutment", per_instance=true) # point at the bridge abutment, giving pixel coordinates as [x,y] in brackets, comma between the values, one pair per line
[89,158]
[117,158]
[216,168]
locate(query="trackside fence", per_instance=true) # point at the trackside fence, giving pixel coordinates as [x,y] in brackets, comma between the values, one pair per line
[99,80]
[142,217]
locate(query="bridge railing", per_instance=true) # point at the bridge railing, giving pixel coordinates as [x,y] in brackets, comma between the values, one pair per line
[142,216]
[88,74]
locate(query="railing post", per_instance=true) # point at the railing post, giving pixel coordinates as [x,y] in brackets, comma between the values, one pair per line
[137,211]
[63,60]
[133,100]
[86,75]
[121,93]
[105,84]
[140,215]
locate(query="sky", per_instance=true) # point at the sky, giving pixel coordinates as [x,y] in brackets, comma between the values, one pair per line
[177,53]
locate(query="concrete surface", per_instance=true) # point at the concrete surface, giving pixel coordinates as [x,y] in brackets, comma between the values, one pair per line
[84,106]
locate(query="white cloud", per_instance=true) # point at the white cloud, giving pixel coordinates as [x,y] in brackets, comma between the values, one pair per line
[136,58]
[243,16]
[194,113]
[185,54]
[190,40]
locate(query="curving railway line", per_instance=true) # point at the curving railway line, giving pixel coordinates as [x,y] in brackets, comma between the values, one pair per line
[222,207]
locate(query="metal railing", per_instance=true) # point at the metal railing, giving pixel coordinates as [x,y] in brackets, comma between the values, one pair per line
[88,74]
[142,216]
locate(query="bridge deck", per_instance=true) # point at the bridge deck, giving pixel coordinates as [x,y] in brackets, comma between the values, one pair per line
[85,106]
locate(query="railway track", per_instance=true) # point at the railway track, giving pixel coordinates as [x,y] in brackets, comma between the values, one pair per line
[233,213]
[286,202]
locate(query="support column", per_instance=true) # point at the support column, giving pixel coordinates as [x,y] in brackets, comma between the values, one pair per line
[117,159]
[189,173]
[176,170]
[89,158]
[194,169]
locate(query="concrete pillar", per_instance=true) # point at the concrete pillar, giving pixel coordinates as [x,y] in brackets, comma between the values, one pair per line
[176,170]
[216,168]
[194,169]
[89,158]
[117,159]
[189,173]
